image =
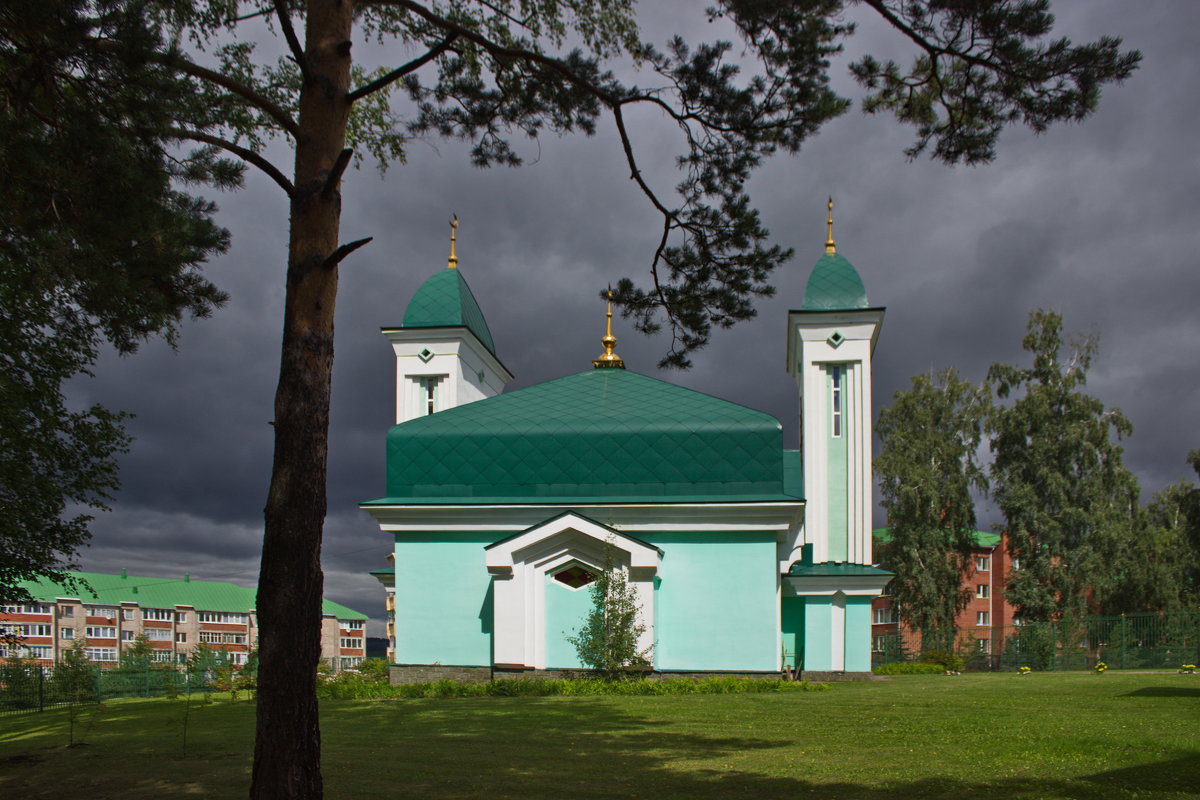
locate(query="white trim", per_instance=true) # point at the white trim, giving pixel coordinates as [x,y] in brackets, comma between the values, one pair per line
[851,585]
[520,566]
[837,632]
[779,517]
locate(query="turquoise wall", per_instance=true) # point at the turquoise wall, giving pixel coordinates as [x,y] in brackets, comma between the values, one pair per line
[716,603]
[792,622]
[443,599]
[566,609]
[838,497]
[818,632]
[858,634]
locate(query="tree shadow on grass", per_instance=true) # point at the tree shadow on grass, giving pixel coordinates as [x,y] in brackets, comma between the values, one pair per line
[534,747]
[1164,691]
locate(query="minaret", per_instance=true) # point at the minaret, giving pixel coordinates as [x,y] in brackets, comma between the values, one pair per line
[445,356]
[830,342]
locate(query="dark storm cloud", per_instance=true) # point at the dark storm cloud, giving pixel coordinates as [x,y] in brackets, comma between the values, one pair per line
[1097,220]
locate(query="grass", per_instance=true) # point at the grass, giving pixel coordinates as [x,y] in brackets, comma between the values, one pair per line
[1043,736]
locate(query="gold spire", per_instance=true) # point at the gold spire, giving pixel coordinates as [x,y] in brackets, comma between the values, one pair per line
[609,358]
[452,262]
[830,246]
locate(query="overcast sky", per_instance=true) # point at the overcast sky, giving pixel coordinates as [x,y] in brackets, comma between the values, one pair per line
[1097,220]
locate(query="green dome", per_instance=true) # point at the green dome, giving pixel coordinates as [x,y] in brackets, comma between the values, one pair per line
[446,301]
[834,285]
[603,433]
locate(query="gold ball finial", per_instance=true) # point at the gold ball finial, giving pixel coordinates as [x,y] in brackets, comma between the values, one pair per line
[452,262]
[608,358]
[830,245]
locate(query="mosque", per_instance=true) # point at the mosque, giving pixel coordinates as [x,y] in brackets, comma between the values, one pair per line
[746,557]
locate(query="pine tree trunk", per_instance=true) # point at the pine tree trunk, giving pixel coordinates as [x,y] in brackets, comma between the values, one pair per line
[287,749]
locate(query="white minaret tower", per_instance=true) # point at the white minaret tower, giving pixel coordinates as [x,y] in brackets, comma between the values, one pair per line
[830,343]
[445,356]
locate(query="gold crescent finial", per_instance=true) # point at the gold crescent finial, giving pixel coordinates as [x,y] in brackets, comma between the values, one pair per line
[452,262]
[609,358]
[830,245]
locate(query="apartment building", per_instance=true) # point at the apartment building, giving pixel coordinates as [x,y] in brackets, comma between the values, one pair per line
[176,615]
[985,616]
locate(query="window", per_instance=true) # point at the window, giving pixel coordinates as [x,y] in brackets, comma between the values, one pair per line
[26,630]
[34,608]
[350,662]
[66,611]
[100,653]
[984,645]
[101,632]
[181,616]
[66,633]
[982,618]
[882,616]
[126,636]
[982,563]
[981,591]
[161,655]
[879,644]
[835,374]
[181,638]
[347,644]
[157,614]
[128,613]
[100,611]
[222,617]
[158,634]
[574,576]
[429,394]
[1016,562]
[38,651]
[238,659]
[351,624]
[217,637]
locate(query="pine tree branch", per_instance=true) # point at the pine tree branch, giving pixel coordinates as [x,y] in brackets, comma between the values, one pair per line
[335,174]
[289,33]
[336,256]
[402,70]
[256,99]
[249,156]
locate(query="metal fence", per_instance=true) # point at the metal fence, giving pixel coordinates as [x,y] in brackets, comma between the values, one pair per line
[28,688]
[1128,641]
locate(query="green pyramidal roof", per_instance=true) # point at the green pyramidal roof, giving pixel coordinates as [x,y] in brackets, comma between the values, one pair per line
[603,433]
[445,301]
[112,590]
[834,285]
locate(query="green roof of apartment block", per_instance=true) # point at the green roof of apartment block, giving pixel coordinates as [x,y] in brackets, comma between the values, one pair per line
[112,590]
[598,434]
[982,538]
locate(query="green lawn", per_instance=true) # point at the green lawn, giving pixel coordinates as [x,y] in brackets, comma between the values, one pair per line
[969,736]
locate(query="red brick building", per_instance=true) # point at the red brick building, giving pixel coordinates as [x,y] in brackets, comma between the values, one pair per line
[983,619]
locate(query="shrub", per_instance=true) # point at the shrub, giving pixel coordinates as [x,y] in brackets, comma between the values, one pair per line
[948,661]
[908,668]
[545,687]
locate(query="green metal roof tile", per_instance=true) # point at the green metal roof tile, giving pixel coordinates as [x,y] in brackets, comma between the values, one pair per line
[595,433]
[834,285]
[446,301]
[793,473]
[982,538]
[832,568]
[149,592]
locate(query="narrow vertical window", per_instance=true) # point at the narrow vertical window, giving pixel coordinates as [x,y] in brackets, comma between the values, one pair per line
[429,394]
[836,375]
